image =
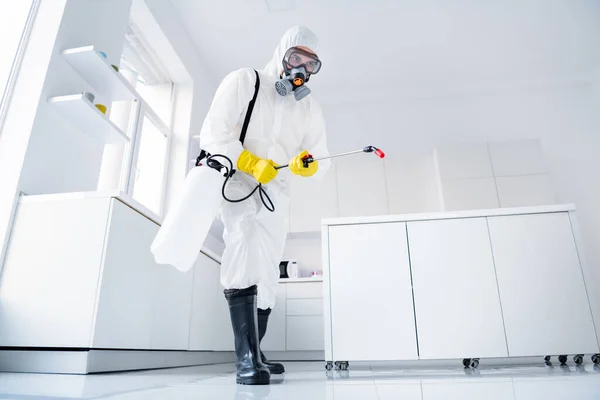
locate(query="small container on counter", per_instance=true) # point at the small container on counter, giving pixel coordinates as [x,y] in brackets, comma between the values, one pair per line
[102,108]
[89,96]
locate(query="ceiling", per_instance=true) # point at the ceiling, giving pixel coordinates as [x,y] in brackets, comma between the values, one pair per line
[378,48]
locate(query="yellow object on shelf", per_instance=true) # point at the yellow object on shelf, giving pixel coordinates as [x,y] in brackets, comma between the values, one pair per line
[102,108]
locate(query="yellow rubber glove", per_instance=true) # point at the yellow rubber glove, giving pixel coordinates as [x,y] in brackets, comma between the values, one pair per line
[262,170]
[297,166]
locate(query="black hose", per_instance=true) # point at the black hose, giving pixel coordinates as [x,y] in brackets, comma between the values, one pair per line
[230,171]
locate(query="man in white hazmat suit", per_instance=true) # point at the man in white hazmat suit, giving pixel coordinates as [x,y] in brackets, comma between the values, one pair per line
[283,129]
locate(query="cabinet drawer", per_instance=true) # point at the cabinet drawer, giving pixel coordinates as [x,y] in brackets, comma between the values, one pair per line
[305,290]
[304,307]
[305,333]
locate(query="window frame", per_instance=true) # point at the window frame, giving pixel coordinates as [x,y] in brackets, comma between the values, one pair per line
[142,109]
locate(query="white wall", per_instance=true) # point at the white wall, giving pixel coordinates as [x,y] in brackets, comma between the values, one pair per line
[22,108]
[60,158]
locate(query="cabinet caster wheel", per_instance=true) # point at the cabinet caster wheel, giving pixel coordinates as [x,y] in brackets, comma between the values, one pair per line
[466,362]
[596,359]
[547,361]
[578,359]
[475,363]
[329,366]
[344,365]
[562,360]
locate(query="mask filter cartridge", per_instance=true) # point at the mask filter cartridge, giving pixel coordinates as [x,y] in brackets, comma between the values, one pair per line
[293,83]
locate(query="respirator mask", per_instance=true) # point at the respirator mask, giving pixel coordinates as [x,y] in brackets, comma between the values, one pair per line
[298,66]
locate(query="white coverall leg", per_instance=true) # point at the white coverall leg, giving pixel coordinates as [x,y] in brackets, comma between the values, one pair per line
[280,128]
[254,241]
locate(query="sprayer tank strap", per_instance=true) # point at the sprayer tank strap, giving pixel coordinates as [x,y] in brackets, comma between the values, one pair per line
[250,109]
[203,154]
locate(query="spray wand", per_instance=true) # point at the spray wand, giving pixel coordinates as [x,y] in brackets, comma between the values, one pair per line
[310,159]
[264,197]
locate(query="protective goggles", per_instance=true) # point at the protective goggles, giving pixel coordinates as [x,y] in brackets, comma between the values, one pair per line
[295,58]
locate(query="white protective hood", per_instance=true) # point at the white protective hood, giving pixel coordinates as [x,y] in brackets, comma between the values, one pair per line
[295,36]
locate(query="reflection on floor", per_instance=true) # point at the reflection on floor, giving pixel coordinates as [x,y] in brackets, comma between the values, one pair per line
[311,381]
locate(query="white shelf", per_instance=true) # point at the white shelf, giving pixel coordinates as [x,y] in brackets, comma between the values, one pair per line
[98,72]
[77,109]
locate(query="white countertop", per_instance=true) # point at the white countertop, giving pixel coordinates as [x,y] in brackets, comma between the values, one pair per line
[300,280]
[117,194]
[448,215]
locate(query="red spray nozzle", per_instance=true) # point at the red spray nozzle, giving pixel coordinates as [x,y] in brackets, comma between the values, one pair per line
[371,149]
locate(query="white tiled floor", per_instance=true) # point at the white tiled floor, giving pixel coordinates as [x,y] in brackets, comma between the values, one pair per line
[310,381]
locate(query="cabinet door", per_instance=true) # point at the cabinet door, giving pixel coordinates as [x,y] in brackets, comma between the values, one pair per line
[457,306]
[312,200]
[361,186]
[305,333]
[124,311]
[172,305]
[50,276]
[543,296]
[372,315]
[274,339]
[210,328]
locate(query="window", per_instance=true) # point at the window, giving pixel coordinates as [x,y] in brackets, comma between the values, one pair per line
[151,165]
[152,136]
[15,23]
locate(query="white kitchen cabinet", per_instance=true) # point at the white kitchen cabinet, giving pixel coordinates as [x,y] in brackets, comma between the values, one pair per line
[210,327]
[304,333]
[487,283]
[304,315]
[410,183]
[469,194]
[372,314]
[79,273]
[525,190]
[274,339]
[304,290]
[543,295]
[311,200]
[518,158]
[463,161]
[361,186]
[305,306]
[124,310]
[51,272]
[455,289]
[172,305]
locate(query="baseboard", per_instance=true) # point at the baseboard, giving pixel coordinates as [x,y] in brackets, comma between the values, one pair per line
[94,361]
[44,361]
[123,360]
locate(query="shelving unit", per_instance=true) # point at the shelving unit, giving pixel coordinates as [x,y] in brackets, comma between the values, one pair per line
[77,109]
[98,72]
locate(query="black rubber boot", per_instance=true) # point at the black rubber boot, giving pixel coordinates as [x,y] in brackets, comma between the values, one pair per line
[243,311]
[263,320]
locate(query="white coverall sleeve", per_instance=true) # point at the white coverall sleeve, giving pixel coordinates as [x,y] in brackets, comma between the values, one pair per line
[221,130]
[315,140]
